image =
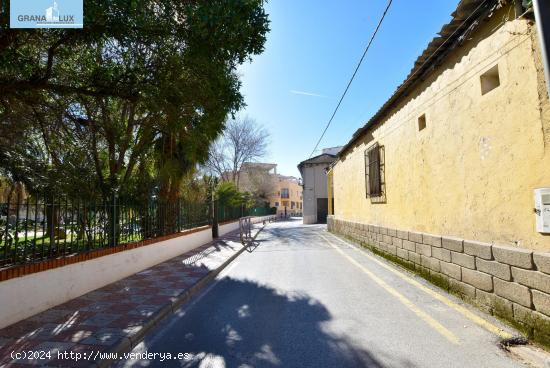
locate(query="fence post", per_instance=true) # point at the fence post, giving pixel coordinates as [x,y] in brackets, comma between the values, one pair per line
[214,218]
[114,219]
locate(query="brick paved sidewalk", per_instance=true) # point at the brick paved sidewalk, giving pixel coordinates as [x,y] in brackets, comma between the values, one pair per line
[115,317]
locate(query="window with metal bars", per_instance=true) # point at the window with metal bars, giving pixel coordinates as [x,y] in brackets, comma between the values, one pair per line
[374,171]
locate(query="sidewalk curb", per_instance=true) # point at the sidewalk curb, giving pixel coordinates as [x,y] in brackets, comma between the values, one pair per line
[129,342]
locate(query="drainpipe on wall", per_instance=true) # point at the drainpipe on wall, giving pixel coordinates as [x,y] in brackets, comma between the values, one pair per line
[542,18]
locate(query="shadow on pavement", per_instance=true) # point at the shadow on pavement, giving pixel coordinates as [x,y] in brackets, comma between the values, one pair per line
[240,323]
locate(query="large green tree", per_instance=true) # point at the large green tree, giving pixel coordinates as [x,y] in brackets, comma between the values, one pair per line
[128,104]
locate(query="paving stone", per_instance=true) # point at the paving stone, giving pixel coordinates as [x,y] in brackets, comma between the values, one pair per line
[477,279]
[513,292]
[478,249]
[513,256]
[104,318]
[452,243]
[533,279]
[542,261]
[463,260]
[541,301]
[500,270]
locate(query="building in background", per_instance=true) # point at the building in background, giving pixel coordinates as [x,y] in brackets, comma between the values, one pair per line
[314,182]
[280,191]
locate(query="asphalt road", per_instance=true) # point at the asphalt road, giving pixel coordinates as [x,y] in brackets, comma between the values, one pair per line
[304,298]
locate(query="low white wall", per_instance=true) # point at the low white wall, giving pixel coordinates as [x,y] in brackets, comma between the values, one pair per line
[25,296]
[227,228]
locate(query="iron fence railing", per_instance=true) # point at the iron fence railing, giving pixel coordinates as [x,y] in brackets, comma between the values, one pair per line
[262,211]
[33,230]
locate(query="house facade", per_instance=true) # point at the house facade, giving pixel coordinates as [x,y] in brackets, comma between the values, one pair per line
[445,176]
[288,197]
[314,183]
[282,192]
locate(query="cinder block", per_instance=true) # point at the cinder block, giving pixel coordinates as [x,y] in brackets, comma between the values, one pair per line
[541,301]
[451,270]
[513,291]
[462,288]
[392,249]
[414,257]
[387,239]
[403,234]
[542,261]
[415,237]
[497,269]
[541,328]
[451,243]
[497,305]
[502,307]
[431,263]
[441,254]
[383,231]
[523,315]
[409,245]
[513,256]
[424,249]
[398,242]
[463,260]
[402,253]
[478,249]
[533,279]
[433,240]
[392,232]
[477,279]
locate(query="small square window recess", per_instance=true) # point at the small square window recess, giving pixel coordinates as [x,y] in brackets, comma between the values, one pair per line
[422,122]
[489,80]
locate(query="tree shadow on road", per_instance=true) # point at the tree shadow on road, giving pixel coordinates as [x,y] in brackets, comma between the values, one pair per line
[240,323]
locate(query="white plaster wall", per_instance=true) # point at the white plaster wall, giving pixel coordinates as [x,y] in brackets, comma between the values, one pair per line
[227,228]
[315,186]
[25,296]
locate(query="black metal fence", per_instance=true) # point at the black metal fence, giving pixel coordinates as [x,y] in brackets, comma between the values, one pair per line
[32,230]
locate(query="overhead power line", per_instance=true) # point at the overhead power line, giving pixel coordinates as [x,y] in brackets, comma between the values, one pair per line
[353,76]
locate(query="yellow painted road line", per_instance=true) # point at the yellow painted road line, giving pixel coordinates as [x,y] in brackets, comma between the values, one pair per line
[420,313]
[465,312]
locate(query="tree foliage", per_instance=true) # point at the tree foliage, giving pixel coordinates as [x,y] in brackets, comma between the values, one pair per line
[131,103]
[244,140]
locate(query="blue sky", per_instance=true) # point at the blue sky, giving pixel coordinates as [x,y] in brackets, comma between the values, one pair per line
[313,47]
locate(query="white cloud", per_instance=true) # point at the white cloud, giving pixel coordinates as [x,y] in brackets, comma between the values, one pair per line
[294,92]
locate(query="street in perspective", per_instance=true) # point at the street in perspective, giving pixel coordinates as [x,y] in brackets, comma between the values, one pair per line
[250,183]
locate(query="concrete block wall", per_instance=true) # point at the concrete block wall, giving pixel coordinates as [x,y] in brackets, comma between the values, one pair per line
[510,283]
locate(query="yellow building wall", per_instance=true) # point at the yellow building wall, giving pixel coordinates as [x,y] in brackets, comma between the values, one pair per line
[295,195]
[471,172]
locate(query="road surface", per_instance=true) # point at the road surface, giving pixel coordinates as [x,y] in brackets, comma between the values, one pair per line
[304,298]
